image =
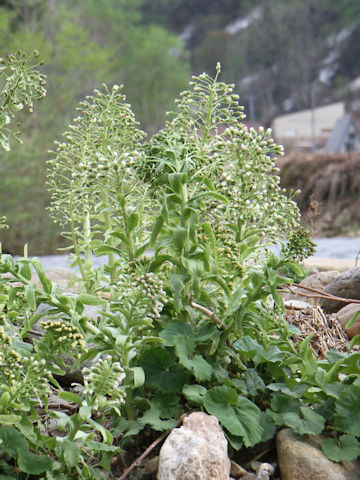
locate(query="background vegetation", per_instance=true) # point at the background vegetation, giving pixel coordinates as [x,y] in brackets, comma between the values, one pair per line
[272,51]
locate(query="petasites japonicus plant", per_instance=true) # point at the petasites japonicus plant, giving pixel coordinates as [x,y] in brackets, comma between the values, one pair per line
[188,311]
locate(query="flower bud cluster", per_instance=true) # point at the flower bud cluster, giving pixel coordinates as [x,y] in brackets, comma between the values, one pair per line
[24,376]
[3,223]
[210,97]
[247,177]
[37,376]
[24,84]
[147,291]
[104,378]
[62,336]
[299,245]
[99,152]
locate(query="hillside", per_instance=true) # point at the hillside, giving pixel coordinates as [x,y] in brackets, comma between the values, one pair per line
[275,52]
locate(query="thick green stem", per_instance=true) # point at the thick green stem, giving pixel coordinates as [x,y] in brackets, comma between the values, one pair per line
[130,246]
[75,242]
[87,240]
[108,225]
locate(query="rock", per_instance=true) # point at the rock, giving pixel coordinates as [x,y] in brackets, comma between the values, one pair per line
[319,281]
[345,314]
[195,451]
[297,304]
[301,459]
[346,285]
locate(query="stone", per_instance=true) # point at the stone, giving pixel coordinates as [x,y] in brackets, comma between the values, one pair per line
[301,458]
[346,285]
[195,451]
[345,314]
[297,304]
[319,281]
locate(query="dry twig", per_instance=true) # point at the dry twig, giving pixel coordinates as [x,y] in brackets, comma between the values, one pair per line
[319,294]
[205,310]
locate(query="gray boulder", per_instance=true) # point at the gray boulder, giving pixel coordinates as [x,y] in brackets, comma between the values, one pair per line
[346,285]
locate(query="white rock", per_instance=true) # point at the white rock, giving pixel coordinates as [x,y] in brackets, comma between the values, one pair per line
[297,304]
[195,451]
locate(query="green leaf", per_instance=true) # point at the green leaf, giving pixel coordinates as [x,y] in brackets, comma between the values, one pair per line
[152,417]
[102,447]
[15,445]
[85,412]
[132,221]
[208,193]
[311,422]
[141,249]
[254,382]
[161,372]
[138,376]
[179,237]
[71,451]
[347,417]
[295,391]
[268,426]
[195,394]
[10,419]
[160,260]
[184,347]
[86,299]
[283,404]
[106,250]
[45,282]
[177,180]
[70,397]
[34,464]
[121,236]
[173,330]
[235,302]
[237,414]
[26,271]
[310,363]
[29,291]
[209,233]
[159,222]
[346,448]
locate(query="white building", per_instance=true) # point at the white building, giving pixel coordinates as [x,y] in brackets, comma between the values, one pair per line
[301,129]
